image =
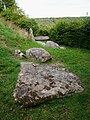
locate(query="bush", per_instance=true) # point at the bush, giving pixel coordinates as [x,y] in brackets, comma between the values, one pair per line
[27,23]
[74,33]
[41,32]
[86,35]
[7,14]
[20,19]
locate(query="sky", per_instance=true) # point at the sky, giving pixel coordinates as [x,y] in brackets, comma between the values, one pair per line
[54,8]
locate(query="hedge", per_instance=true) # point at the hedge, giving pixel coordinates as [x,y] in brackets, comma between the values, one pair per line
[74,33]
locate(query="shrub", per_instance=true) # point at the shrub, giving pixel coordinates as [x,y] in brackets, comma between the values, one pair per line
[86,34]
[18,18]
[74,33]
[43,32]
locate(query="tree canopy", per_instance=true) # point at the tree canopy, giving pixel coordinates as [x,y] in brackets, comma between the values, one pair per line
[4,4]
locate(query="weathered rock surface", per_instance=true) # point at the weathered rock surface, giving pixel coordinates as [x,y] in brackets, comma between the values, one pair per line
[62,47]
[52,44]
[41,43]
[38,53]
[30,33]
[41,38]
[38,83]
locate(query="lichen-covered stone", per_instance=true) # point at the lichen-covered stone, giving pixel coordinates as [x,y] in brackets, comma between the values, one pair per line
[42,38]
[41,43]
[39,53]
[38,83]
[30,33]
[52,44]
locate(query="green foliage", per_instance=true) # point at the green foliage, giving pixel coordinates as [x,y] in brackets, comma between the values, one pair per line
[27,23]
[20,19]
[42,32]
[16,15]
[72,33]
[86,34]
[8,3]
[1,6]
[44,25]
[4,4]
[7,14]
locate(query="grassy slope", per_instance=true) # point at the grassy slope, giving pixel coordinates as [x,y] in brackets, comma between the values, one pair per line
[75,107]
[44,22]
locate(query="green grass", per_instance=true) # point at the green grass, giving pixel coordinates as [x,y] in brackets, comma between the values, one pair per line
[74,107]
[44,22]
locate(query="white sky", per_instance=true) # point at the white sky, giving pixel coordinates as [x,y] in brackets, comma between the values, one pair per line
[54,8]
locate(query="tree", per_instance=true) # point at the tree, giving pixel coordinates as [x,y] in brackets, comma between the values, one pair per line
[4,4]
[16,15]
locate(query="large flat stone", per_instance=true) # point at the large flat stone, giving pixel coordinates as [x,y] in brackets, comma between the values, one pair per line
[38,83]
[41,38]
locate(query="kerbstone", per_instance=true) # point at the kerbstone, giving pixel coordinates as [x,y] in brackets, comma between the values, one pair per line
[39,54]
[38,83]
